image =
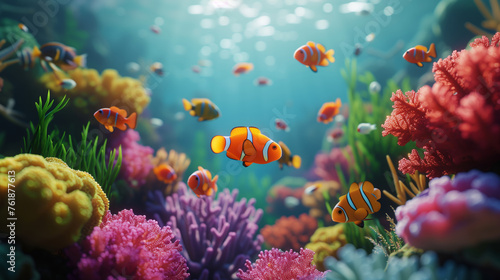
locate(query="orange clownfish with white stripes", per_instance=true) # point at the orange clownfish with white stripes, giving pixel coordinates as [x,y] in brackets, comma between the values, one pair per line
[201,182]
[355,206]
[247,144]
[312,55]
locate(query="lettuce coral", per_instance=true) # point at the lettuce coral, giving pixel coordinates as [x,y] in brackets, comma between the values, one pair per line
[290,232]
[127,246]
[93,91]
[57,203]
[276,264]
[217,235]
[325,242]
[457,120]
[453,214]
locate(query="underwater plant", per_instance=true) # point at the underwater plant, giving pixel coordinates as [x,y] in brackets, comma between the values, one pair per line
[127,246]
[289,232]
[360,237]
[453,214]
[57,203]
[218,234]
[401,189]
[276,264]
[325,242]
[355,264]
[85,156]
[386,241]
[457,120]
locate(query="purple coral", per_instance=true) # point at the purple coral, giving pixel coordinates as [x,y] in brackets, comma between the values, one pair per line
[217,234]
[453,214]
[136,163]
[276,264]
[126,246]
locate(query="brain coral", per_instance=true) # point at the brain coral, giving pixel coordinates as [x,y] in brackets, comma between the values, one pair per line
[93,91]
[57,203]
[325,242]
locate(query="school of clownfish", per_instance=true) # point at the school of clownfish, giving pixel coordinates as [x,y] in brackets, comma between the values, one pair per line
[245,144]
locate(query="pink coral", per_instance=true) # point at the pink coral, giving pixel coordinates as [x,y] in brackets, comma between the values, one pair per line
[457,120]
[136,163]
[452,214]
[325,164]
[276,264]
[126,246]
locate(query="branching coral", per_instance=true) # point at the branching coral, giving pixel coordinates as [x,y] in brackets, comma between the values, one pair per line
[290,232]
[57,203]
[492,20]
[93,91]
[178,161]
[325,242]
[276,264]
[217,235]
[316,200]
[453,214]
[126,246]
[8,52]
[401,188]
[457,121]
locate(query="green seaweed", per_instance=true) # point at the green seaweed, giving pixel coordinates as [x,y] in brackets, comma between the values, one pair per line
[87,156]
[386,241]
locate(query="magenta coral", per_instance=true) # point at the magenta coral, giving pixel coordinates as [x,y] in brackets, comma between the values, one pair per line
[136,162]
[126,246]
[325,164]
[457,120]
[454,214]
[276,264]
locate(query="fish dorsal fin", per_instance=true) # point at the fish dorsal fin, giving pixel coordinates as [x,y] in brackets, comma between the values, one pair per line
[200,168]
[254,130]
[321,48]
[368,187]
[311,44]
[284,148]
[209,175]
[248,148]
[420,47]
[120,112]
[354,187]
[342,197]
[238,130]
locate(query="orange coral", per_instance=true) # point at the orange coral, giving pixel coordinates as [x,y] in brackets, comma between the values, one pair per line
[290,232]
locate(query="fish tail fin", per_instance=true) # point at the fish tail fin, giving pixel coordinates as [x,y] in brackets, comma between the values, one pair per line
[36,52]
[432,50]
[81,60]
[218,144]
[187,105]
[296,161]
[373,126]
[132,120]
[329,56]
[377,193]
[214,182]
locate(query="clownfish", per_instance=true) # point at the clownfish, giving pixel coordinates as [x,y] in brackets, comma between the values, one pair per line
[201,182]
[202,108]
[61,55]
[247,144]
[165,173]
[115,117]
[242,68]
[328,111]
[287,158]
[312,55]
[420,54]
[355,206]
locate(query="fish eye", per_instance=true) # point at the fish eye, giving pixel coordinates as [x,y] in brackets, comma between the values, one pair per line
[100,111]
[339,211]
[196,178]
[274,147]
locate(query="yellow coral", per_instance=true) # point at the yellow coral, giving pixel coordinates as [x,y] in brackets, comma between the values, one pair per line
[93,91]
[178,161]
[400,187]
[492,20]
[54,204]
[325,242]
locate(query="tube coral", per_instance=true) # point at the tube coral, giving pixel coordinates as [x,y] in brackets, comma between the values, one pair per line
[290,232]
[325,242]
[276,264]
[57,203]
[453,214]
[126,246]
[457,121]
[217,234]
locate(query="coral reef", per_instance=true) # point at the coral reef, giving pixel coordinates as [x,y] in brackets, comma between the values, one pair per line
[357,265]
[325,242]
[136,163]
[178,161]
[276,264]
[7,53]
[93,91]
[58,203]
[277,198]
[126,246]
[217,234]
[401,189]
[325,165]
[316,200]
[290,232]
[457,121]
[491,20]
[454,214]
